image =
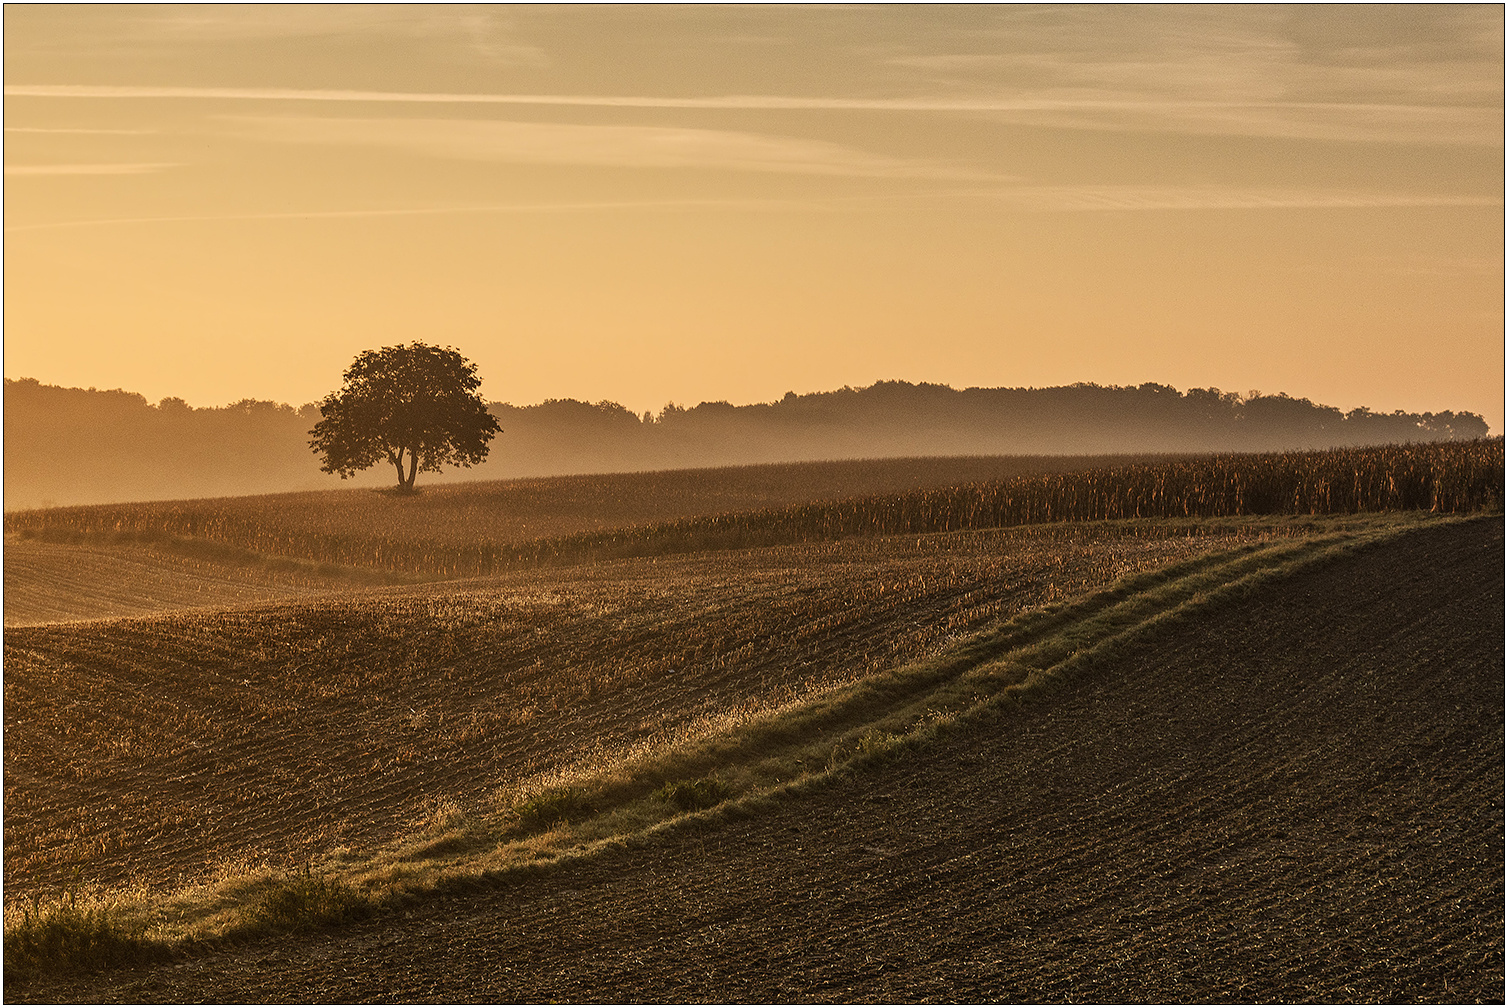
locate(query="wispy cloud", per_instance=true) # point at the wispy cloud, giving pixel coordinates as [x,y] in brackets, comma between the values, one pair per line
[1424,124]
[1112,197]
[1404,73]
[615,146]
[1036,199]
[1075,108]
[88,169]
[755,102]
[1006,103]
[80,130]
[505,208]
[483,32]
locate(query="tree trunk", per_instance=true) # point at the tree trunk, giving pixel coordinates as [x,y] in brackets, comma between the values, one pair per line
[397,459]
[413,468]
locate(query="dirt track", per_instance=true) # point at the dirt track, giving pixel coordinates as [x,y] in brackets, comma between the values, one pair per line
[1299,798]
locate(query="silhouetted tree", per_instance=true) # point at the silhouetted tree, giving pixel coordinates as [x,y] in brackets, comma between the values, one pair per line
[415,406]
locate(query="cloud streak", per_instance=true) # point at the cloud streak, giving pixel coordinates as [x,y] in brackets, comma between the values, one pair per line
[1312,59]
[1143,198]
[482,32]
[1346,120]
[595,145]
[751,102]
[506,208]
[89,169]
[78,130]
[1036,199]
[1097,110]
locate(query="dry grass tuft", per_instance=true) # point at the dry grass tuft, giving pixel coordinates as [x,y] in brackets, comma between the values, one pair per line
[301,903]
[71,935]
[694,795]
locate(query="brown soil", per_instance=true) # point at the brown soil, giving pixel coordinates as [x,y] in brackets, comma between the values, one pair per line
[1296,798]
[150,750]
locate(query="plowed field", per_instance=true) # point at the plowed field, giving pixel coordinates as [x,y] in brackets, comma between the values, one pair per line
[151,750]
[54,583]
[1296,797]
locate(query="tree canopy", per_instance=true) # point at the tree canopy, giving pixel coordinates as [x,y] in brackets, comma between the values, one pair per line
[414,405]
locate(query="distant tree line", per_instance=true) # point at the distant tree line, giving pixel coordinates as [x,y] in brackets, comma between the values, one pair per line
[72,445]
[897,419]
[66,446]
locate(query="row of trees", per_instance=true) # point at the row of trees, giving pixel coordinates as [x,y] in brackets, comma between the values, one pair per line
[85,445]
[891,419]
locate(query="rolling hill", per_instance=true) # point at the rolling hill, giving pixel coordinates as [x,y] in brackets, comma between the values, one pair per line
[1293,795]
[916,745]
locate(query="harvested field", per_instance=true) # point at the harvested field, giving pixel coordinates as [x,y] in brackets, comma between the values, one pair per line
[443,529]
[1294,795]
[150,750]
[479,529]
[51,582]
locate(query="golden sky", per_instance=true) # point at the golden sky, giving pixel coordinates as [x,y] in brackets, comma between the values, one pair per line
[671,203]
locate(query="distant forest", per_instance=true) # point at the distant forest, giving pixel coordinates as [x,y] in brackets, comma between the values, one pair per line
[81,446]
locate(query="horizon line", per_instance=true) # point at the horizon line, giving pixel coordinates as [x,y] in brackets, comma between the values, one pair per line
[1248,396]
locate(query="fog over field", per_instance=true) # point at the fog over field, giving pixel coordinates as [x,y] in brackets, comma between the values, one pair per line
[77,446]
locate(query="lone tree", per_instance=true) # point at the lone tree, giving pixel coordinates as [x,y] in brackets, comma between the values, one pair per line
[414,405]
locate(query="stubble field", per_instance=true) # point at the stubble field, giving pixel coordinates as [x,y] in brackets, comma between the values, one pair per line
[52,582]
[153,749]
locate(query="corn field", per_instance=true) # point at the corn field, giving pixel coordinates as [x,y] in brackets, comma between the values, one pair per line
[1449,477]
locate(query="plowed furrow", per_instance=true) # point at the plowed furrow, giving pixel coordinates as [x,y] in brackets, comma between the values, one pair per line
[150,749]
[1297,798]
